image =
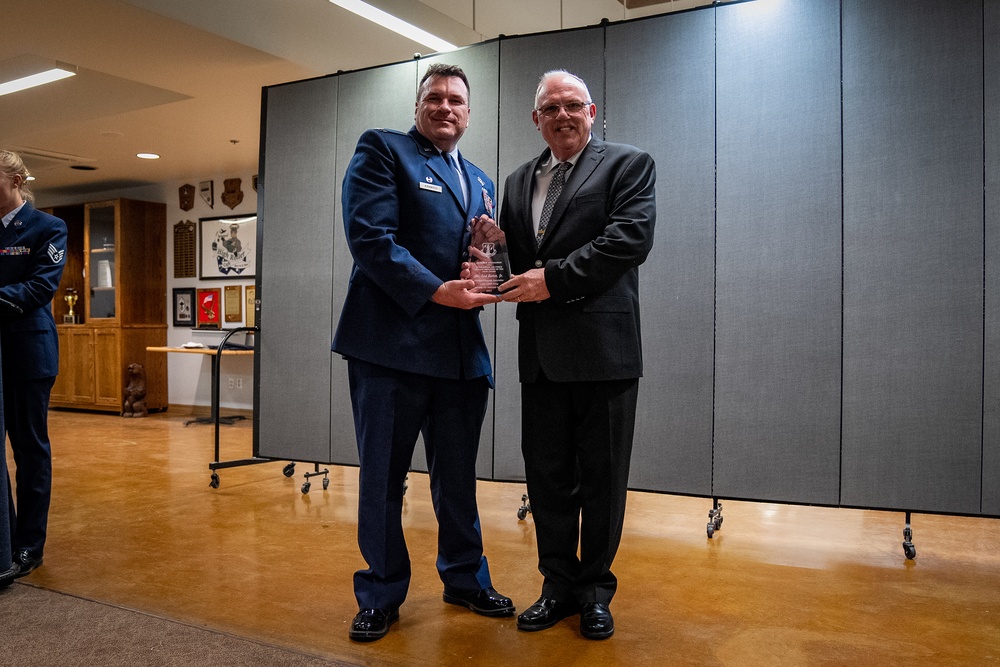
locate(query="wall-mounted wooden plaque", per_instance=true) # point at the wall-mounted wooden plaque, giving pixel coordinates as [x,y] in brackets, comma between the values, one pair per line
[184,250]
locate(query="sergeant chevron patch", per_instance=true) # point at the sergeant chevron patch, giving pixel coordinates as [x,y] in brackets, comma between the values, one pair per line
[56,255]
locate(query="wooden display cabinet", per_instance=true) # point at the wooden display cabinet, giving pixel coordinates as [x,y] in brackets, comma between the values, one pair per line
[116,263]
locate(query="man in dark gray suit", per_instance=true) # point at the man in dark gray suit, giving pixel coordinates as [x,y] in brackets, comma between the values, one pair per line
[578,221]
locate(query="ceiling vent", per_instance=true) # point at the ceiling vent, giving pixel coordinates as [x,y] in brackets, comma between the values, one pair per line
[37,159]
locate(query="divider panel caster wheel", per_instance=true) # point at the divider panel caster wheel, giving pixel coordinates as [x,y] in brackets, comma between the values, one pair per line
[215,480]
[714,518]
[524,509]
[326,483]
[909,550]
[306,486]
[288,470]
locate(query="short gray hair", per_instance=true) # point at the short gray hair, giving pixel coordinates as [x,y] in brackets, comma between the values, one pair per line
[552,74]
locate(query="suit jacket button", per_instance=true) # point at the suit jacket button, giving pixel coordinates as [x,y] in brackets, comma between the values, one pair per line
[538,263]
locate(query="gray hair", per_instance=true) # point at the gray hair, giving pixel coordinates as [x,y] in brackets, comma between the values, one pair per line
[552,74]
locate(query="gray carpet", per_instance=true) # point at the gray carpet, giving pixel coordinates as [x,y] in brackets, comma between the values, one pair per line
[41,628]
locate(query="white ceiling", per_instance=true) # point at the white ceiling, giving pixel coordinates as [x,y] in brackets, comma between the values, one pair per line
[183,78]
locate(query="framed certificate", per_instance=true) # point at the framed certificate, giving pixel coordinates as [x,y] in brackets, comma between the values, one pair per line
[233,303]
[251,299]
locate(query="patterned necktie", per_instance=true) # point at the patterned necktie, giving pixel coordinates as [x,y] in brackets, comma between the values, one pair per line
[555,187]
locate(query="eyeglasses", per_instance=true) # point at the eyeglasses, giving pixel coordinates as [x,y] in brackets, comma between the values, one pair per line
[572,108]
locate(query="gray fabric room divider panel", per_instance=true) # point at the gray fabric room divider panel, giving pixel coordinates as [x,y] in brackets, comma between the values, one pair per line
[479,145]
[298,202]
[674,58]
[380,97]
[523,60]
[777,400]
[913,254]
[991,402]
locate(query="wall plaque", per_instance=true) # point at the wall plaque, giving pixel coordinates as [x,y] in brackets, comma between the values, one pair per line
[184,250]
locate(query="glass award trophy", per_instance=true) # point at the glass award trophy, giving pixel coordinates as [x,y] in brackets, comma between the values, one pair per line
[489,260]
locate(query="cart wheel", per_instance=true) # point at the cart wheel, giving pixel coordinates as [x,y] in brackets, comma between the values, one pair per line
[305,487]
[521,513]
[326,483]
[710,529]
[909,551]
[215,480]
[288,470]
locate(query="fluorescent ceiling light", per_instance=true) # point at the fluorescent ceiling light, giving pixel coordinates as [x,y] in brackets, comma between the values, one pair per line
[29,71]
[397,25]
[148,156]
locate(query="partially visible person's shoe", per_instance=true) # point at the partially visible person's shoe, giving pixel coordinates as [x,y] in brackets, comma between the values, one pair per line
[371,624]
[25,563]
[6,577]
[545,613]
[596,621]
[486,602]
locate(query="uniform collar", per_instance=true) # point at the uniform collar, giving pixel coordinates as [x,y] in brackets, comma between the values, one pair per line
[7,219]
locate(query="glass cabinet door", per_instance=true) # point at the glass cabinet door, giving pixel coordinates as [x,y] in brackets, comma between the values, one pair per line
[101,260]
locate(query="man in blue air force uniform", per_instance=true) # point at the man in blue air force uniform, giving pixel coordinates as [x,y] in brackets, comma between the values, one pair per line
[417,361]
[32,257]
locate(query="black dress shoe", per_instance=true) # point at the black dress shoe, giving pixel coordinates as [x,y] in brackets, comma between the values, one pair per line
[545,613]
[25,563]
[372,624]
[486,602]
[596,621]
[6,577]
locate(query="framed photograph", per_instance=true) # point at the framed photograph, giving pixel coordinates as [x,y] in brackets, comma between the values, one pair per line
[233,303]
[208,304]
[251,299]
[184,307]
[227,247]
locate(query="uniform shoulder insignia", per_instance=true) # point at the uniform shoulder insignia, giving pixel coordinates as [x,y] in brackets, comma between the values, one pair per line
[55,254]
[390,131]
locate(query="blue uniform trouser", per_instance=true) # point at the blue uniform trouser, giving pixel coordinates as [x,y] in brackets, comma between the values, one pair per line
[5,550]
[390,409]
[26,408]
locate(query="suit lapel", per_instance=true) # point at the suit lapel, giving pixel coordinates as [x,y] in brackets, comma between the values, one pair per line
[585,167]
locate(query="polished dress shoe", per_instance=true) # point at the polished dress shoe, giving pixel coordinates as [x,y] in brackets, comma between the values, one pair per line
[6,577]
[25,563]
[372,624]
[596,621]
[545,613]
[486,602]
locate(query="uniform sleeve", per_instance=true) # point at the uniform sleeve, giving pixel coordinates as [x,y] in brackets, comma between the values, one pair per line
[371,222]
[39,283]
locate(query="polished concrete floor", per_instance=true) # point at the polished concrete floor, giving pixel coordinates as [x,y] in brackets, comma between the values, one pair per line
[135,523]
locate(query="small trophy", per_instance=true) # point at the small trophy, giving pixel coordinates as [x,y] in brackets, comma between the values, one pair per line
[70,299]
[490,262]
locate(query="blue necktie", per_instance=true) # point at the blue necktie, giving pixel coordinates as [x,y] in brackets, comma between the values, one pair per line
[461,179]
